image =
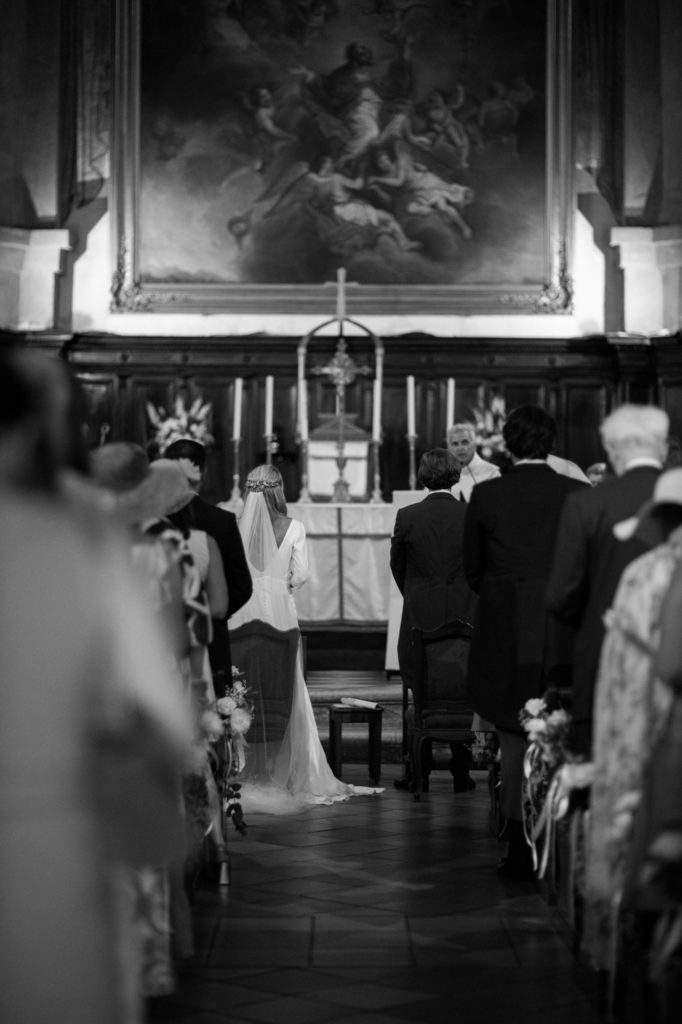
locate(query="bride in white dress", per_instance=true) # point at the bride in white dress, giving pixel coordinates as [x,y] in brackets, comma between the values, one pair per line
[286,767]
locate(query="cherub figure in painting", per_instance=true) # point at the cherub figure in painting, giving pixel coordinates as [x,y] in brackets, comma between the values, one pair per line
[498,117]
[334,191]
[261,103]
[424,190]
[444,130]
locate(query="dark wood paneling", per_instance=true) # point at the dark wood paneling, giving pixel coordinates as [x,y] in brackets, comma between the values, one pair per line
[577,380]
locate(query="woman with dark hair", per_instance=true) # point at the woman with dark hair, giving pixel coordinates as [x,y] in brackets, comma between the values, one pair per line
[286,766]
[426,562]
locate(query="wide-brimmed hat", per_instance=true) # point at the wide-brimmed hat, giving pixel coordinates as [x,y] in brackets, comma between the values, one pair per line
[668,491]
[139,491]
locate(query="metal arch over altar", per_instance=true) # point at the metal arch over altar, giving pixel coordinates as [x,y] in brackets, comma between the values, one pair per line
[341,370]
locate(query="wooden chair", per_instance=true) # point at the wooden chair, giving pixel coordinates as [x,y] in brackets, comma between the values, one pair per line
[442,712]
[267,657]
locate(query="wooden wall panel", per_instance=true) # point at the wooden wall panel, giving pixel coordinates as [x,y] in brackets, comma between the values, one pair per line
[577,380]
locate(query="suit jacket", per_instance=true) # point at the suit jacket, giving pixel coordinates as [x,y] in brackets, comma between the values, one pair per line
[587,567]
[222,526]
[509,534]
[426,562]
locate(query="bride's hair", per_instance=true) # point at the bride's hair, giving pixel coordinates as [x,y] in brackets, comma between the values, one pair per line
[268,479]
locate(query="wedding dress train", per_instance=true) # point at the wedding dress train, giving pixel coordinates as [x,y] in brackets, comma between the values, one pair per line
[286,767]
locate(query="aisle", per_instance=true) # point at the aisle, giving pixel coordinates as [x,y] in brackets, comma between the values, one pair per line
[378,911]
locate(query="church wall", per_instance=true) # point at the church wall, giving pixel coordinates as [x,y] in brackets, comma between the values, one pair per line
[29,112]
[561,360]
[577,380]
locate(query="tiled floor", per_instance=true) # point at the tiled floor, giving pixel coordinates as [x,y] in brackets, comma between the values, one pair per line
[380,910]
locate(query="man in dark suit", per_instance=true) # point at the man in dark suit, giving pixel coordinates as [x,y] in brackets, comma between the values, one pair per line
[426,562]
[509,534]
[222,526]
[589,558]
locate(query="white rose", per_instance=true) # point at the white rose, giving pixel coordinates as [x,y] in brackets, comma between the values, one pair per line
[535,727]
[226,705]
[212,725]
[241,720]
[534,706]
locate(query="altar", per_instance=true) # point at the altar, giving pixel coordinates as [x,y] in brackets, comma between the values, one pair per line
[350,582]
[348,551]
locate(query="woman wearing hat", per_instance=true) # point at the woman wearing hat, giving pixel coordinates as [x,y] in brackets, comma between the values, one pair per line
[181,576]
[631,707]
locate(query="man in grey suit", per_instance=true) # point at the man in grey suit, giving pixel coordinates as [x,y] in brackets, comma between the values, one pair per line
[589,558]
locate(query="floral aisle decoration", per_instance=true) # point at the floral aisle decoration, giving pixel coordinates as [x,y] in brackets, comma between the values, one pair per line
[489,419]
[236,713]
[193,423]
[552,775]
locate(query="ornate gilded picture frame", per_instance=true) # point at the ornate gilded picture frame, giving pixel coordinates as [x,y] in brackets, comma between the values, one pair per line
[260,146]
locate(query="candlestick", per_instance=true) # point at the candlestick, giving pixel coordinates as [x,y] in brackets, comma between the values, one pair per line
[341,294]
[269,395]
[411,429]
[236,495]
[303,412]
[411,442]
[376,498]
[376,411]
[450,404]
[304,494]
[237,411]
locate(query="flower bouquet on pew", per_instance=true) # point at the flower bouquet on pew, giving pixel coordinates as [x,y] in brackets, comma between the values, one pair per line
[236,712]
[552,775]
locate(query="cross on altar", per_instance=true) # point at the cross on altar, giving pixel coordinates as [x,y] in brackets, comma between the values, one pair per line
[341,371]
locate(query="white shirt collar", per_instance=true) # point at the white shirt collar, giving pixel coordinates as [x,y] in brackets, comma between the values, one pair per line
[643,460]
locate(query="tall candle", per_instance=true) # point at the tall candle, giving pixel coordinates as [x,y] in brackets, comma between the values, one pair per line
[450,404]
[237,411]
[269,395]
[410,407]
[376,411]
[341,294]
[303,413]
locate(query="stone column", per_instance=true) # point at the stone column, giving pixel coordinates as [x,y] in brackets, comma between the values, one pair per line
[651,260]
[29,264]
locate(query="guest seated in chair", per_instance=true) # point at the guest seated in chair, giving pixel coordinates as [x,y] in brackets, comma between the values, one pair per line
[426,562]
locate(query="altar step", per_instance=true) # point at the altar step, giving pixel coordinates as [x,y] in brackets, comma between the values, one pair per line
[328,686]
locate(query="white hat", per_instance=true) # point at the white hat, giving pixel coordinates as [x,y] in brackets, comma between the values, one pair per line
[139,491]
[668,491]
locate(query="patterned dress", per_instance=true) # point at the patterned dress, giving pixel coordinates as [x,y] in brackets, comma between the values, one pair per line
[631,708]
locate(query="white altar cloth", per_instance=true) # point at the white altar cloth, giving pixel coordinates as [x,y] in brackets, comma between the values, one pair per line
[348,549]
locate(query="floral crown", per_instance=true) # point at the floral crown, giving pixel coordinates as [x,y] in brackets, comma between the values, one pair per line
[489,420]
[261,485]
[191,424]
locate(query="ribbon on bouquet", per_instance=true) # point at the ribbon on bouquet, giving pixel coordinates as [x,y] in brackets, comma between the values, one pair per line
[236,753]
[565,779]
